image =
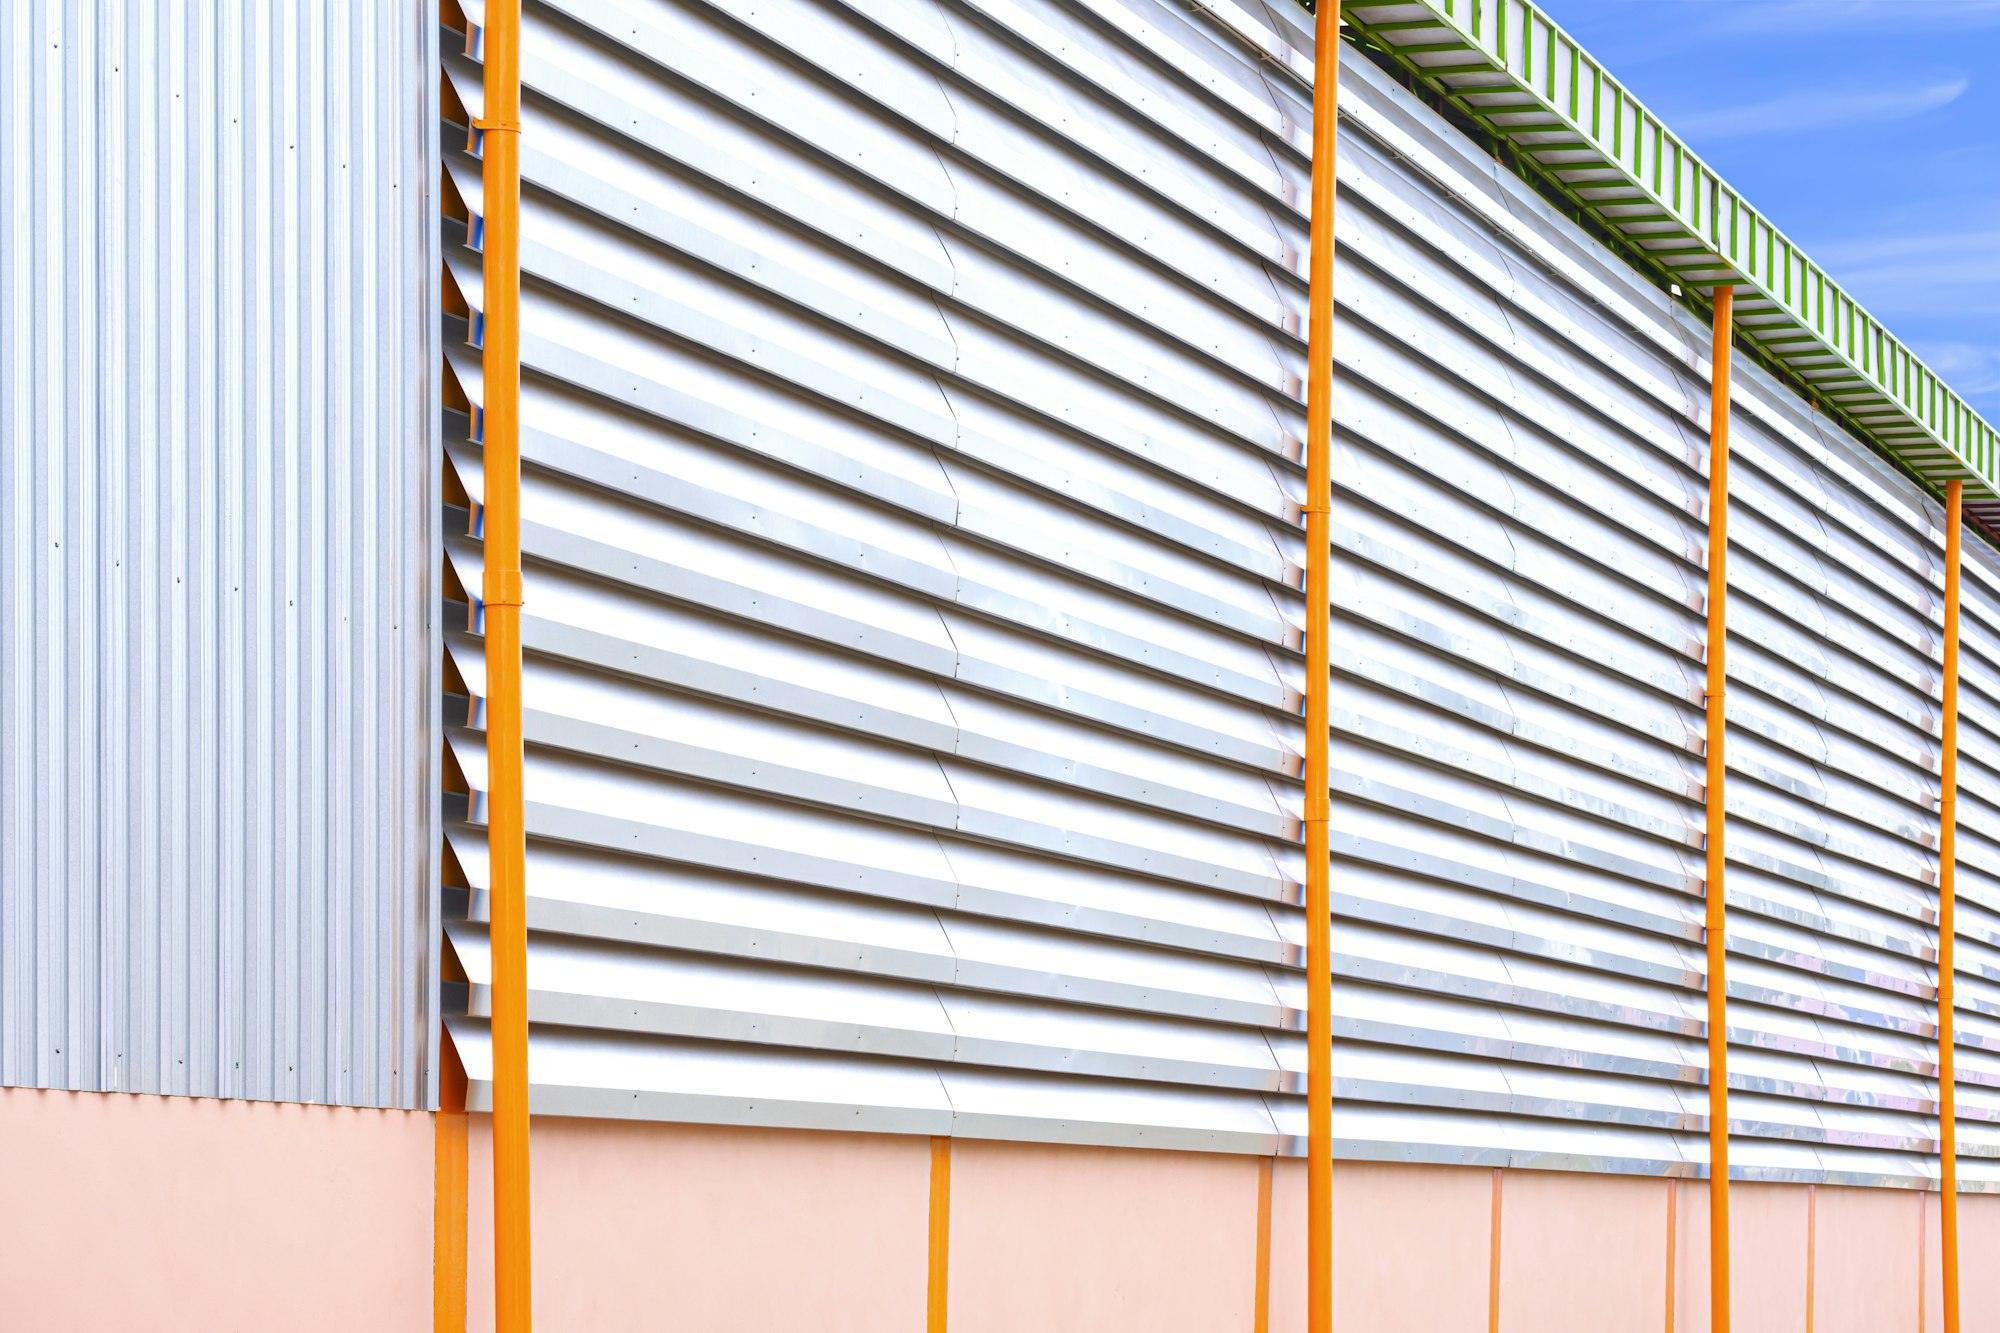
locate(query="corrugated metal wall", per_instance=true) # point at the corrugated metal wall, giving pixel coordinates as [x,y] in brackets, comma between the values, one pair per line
[218,316]
[1979,868]
[913,410]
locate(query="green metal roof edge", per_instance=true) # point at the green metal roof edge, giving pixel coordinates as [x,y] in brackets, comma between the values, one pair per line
[1507,66]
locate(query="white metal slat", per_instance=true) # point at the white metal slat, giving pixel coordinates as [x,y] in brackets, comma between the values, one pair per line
[1153,969]
[1518,683]
[1979,871]
[1833,900]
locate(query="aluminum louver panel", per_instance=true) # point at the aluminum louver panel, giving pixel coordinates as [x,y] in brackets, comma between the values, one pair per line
[911,420]
[1979,871]
[218,532]
[1834,721]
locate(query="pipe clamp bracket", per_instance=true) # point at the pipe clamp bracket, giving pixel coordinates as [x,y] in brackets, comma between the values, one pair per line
[503,588]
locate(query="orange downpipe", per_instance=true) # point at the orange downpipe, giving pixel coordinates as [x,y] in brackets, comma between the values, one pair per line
[937,1294]
[1718,1003]
[448,1174]
[1812,1252]
[506,829]
[1673,1253]
[1318,626]
[1493,1258]
[1947,1001]
[1260,1290]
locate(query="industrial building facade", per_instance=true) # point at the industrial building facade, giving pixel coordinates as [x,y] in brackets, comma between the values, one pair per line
[912,431]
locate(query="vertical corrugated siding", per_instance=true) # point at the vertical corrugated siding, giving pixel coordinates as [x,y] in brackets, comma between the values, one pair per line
[912,415]
[217,426]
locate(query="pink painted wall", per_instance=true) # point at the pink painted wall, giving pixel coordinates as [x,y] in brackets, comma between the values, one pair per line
[183,1214]
[712,1230]
[1583,1254]
[1866,1277]
[1979,1259]
[1411,1247]
[1767,1259]
[1081,1240]
[172,1213]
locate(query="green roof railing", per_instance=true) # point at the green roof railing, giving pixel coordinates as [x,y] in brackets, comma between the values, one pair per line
[1508,67]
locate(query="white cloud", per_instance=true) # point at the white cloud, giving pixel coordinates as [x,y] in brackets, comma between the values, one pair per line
[1953,274]
[1818,16]
[1817,108]
[1977,245]
[1972,369]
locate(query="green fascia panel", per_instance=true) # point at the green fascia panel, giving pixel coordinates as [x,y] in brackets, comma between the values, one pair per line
[1507,66]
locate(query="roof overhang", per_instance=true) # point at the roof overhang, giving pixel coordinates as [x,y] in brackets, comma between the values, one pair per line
[1504,64]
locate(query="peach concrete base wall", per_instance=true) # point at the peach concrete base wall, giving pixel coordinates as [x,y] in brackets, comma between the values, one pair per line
[1073,1239]
[649,1226]
[171,1213]
[1414,1252]
[176,1213]
[756,1231]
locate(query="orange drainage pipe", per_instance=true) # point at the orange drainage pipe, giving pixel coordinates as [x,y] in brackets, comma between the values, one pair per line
[1493,1260]
[1319,674]
[449,1172]
[506,820]
[1260,1297]
[938,1276]
[1812,1250]
[1923,1263]
[1947,1001]
[1718,1003]
[1673,1249]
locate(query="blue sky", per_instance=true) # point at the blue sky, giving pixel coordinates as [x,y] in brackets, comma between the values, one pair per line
[1869,130]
